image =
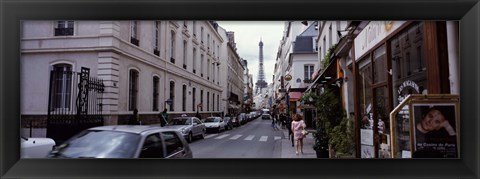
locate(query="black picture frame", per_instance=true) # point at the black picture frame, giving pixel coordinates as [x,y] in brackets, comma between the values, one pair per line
[13,12]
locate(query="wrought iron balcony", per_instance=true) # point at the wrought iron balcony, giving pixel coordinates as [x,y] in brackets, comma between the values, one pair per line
[134,41]
[63,31]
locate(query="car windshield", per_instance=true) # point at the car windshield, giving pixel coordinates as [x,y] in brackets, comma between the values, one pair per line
[181,121]
[212,119]
[99,144]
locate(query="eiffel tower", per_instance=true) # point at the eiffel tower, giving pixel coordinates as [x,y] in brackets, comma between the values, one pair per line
[260,84]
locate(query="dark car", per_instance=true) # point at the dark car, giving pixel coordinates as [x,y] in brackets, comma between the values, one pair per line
[266,116]
[124,141]
[228,122]
[235,121]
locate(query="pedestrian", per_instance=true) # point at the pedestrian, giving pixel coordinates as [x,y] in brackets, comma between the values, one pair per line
[274,125]
[163,117]
[133,120]
[298,125]
[198,116]
[288,124]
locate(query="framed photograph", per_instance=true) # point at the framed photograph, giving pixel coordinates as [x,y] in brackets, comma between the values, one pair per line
[435,130]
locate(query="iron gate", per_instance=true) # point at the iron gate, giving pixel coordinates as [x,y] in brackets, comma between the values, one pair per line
[67,117]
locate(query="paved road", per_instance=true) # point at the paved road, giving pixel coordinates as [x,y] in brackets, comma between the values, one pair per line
[255,139]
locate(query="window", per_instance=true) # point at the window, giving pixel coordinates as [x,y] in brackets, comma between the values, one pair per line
[173,144]
[201,65]
[201,99]
[208,41]
[213,102]
[194,59]
[208,69]
[184,54]
[366,96]
[380,65]
[218,103]
[61,77]
[184,98]
[152,147]
[155,93]
[134,33]
[195,28]
[157,38]
[201,34]
[193,99]
[330,43]
[324,47]
[133,89]
[213,47]
[172,95]
[172,47]
[308,72]
[208,101]
[64,28]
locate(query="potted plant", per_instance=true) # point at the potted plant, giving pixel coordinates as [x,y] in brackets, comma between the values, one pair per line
[321,143]
[341,138]
[329,115]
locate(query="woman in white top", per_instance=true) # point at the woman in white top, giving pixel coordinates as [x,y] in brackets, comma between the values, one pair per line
[297,126]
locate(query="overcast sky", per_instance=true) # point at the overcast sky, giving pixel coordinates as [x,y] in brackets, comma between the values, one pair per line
[247,37]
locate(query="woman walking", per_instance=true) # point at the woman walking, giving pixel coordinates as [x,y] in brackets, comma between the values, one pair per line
[298,125]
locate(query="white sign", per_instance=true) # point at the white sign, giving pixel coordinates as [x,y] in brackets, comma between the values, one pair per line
[366,136]
[372,34]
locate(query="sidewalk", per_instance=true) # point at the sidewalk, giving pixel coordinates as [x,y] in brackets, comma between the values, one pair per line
[289,152]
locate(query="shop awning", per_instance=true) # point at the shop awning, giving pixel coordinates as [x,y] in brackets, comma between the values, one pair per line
[295,96]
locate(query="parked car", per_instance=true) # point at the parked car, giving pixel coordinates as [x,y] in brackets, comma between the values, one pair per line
[242,118]
[214,124]
[228,123]
[124,141]
[36,147]
[235,121]
[266,116]
[253,115]
[189,127]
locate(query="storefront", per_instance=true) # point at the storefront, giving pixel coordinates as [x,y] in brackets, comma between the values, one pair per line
[393,59]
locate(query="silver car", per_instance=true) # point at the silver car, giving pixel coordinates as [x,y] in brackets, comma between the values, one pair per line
[189,127]
[36,147]
[215,124]
[124,141]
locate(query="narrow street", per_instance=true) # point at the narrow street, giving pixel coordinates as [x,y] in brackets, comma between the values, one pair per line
[256,139]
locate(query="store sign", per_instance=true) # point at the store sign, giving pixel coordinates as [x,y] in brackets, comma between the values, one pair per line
[403,92]
[372,34]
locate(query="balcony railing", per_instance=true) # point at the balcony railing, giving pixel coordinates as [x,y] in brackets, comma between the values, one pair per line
[134,41]
[63,31]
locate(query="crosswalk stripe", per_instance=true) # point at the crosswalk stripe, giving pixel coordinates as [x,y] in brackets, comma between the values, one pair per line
[263,138]
[250,137]
[222,136]
[210,135]
[277,138]
[235,137]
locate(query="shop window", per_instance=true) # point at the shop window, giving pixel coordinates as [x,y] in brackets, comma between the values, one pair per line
[365,97]
[408,63]
[380,65]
